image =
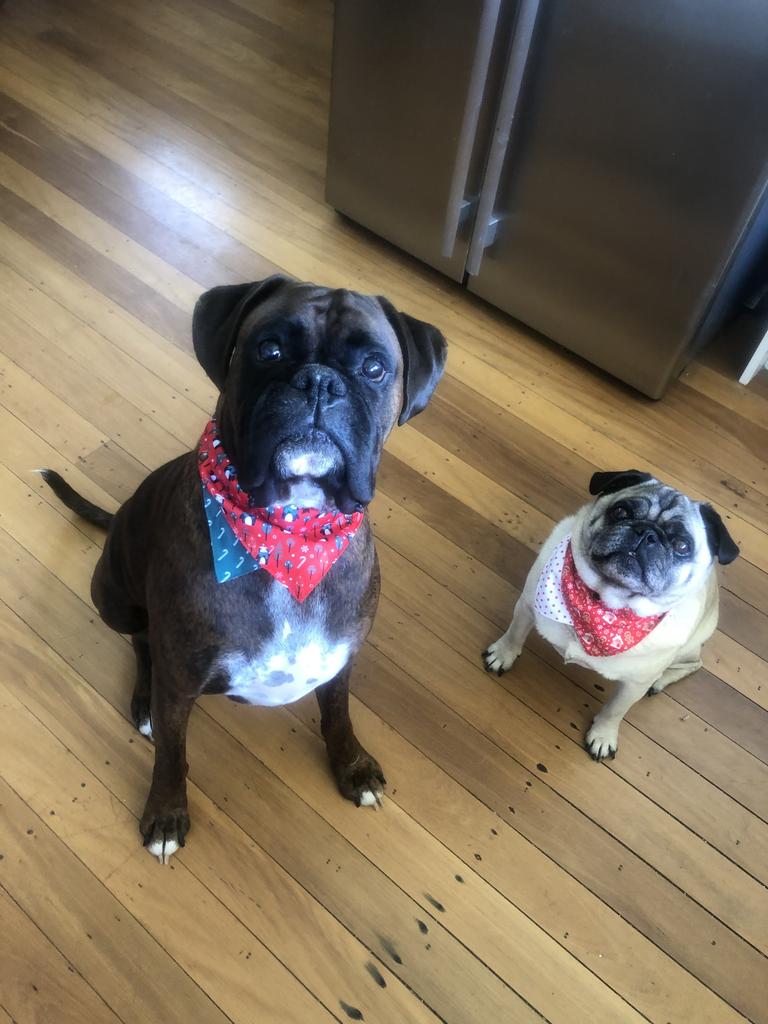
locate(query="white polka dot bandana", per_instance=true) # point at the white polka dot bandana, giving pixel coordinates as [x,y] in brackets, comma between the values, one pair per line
[562,595]
[549,600]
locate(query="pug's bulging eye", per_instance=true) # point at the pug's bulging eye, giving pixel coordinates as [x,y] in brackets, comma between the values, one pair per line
[270,351]
[619,512]
[681,547]
[374,369]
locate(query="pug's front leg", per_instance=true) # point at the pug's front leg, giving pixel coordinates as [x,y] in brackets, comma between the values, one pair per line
[504,652]
[358,774]
[602,739]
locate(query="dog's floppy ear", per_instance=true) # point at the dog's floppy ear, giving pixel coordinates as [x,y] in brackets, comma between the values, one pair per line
[217,318]
[424,350]
[617,480]
[722,545]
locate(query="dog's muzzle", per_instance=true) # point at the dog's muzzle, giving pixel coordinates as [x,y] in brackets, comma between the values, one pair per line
[312,452]
[310,455]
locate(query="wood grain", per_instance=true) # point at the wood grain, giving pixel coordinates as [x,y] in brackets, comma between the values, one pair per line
[148,152]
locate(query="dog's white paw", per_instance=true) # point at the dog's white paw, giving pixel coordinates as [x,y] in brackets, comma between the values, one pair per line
[500,656]
[602,740]
[163,849]
[145,728]
[369,798]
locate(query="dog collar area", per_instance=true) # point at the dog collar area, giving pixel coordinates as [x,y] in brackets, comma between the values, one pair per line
[563,596]
[298,547]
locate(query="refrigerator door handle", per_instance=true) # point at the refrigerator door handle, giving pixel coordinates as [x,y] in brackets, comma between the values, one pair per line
[457,203]
[485,222]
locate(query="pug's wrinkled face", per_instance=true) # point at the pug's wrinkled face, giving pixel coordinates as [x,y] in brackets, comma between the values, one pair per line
[312,381]
[647,545]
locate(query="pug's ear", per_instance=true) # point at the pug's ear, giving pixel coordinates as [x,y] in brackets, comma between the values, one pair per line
[424,352]
[722,545]
[617,480]
[217,317]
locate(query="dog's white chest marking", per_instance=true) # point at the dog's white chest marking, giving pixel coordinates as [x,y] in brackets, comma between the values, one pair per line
[289,666]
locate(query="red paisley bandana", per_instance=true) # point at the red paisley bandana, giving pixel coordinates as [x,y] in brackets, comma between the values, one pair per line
[602,631]
[297,546]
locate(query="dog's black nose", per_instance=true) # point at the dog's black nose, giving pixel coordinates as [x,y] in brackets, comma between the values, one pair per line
[324,384]
[647,536]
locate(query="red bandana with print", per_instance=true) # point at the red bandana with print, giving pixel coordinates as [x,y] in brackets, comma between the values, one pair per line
[297,546]
[602,631]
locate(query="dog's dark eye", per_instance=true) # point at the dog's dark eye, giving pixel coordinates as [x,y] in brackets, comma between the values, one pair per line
[681,547]
[270,351]
[374,369]
[619,512]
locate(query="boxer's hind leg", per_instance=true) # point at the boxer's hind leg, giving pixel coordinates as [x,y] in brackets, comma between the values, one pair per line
[141,709]
[358,774]
[121,614]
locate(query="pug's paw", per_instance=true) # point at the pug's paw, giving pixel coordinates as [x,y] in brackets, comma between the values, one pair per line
[602,740]
[500,656]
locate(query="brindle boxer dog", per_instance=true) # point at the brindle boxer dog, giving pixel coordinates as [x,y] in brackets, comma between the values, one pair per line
[311,382]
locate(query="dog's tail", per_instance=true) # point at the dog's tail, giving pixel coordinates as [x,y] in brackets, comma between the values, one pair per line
[90,512]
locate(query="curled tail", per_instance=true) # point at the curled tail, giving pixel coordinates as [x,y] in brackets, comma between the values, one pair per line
[92,513]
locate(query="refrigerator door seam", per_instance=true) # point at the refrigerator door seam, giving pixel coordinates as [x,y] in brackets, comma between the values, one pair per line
[486,223]
[458,204]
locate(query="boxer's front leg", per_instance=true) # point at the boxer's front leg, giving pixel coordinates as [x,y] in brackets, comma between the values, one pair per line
[358,775]
[165,821]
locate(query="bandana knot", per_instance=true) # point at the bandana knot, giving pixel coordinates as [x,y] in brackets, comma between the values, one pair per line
[562,595]
[296,546]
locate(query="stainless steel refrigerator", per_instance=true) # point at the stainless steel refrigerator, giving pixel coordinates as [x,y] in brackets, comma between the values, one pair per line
[596,168]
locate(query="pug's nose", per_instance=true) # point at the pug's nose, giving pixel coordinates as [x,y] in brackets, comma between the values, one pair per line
[647,536]
[324,385]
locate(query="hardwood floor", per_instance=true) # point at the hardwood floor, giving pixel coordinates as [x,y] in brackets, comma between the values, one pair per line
[149,151]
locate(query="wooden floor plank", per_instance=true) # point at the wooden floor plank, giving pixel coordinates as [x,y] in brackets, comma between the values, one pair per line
[59,425]
[601,864]
[149,151]
[23,449]
[448,977]
[54,616]
[477,898]
[697,743]
[177,235]
[208,942]
[87,356]
[87,924]
[533,882]
[718,703]
[278,900]
[106,45]
[140,434]
[116,325]
[503,938]
[693,865]
[38,983]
